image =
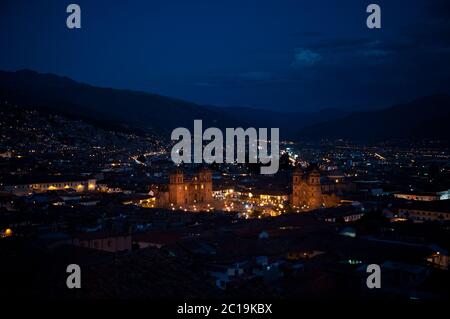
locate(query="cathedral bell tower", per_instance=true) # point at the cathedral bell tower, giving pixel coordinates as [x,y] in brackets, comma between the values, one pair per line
[315,189]
[177,194]
[205,179]
[296,187]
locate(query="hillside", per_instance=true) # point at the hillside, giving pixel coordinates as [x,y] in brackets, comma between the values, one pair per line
[426,117]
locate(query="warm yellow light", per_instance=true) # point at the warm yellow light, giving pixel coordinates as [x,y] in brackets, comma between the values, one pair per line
[8,232]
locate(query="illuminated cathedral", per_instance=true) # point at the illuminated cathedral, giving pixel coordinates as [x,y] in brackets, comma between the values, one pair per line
[183,192]
[307,191]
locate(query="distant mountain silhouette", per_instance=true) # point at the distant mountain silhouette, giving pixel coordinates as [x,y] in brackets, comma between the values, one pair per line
[140,110]
[426,117]
[288,122]
[131,108]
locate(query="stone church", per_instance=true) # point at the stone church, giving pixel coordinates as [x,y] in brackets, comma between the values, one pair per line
[307,191]
[184,192]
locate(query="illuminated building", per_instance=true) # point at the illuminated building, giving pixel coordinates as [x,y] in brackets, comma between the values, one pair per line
[307,191]
[53,184]
[181,192]
[6,233]
[420,211]
[424,197]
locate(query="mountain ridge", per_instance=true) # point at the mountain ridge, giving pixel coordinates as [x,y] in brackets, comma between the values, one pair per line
[138,109]
[423,117]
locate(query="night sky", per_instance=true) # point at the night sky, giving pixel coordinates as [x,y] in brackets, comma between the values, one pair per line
[284,55]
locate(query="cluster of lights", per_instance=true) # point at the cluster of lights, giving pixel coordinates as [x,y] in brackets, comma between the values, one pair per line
[6,233]
[193,208]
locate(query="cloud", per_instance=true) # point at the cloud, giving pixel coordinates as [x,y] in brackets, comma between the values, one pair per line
[341,44]
[305,58]
[337,50]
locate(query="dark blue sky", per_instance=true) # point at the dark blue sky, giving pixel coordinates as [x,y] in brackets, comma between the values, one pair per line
[290,55]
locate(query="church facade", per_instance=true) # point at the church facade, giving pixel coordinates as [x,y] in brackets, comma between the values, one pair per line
[183,192]
[307,191]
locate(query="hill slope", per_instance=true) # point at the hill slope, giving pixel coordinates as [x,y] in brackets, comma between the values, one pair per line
[137,109]
[141,110]
[426,117]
